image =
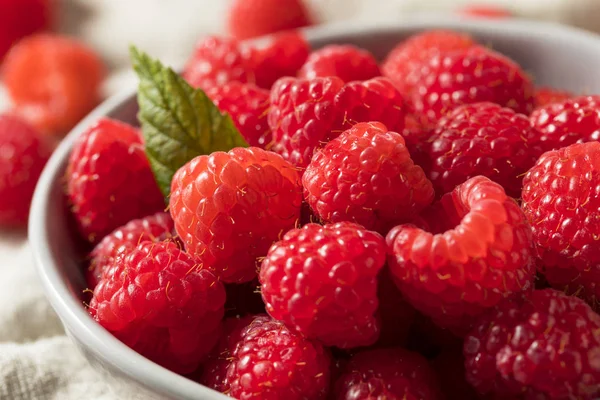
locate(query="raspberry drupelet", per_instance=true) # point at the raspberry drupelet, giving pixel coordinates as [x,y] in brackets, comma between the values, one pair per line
[347,62]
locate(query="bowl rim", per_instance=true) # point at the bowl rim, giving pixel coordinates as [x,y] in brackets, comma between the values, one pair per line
[100,342]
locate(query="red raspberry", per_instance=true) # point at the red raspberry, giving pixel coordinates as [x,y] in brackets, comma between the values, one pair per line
[366,175]
[109,180]
[467,76]
[392,373]
[322,281]
[574,120]
[216,61]
[251,18]
[272,362]
[544,96]
[230,207]
[485,11]
[397,316]
[155,228]
[20,18]
[54,81]
[23,155]
[404,60]
[161,303]
[248,107]
[476,251]
[480,139]
[276,56]
[450,368]
[347,62]
[561,199]
[544,346]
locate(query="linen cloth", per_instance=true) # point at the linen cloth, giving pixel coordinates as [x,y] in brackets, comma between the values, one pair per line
[37,361]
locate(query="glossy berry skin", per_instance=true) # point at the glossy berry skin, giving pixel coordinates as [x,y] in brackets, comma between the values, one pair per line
[155,228]
[163,304]
[480,139]
[23,154]
[542,346]
[561,199]
[366,176]
[248,107]
[53,81]
[476,250]
[109,180]
[546,95]
[574,120]
[347,62]
[391,373]
[272,362]
[402,63]
[252,18]
[216,61]
[322,282]
[230,207]
[467,76]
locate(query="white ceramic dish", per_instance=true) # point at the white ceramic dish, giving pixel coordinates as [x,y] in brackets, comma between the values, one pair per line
[557,56]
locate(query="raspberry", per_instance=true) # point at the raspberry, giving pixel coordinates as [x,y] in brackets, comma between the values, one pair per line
[230,207]
[543,346]
[272,362]
[306,113]
[278,55]
[54,81]
[403,61]
[476,251]
[20,18]
[392,373]
[23,155]
[109,180]
[155,228]
[161,303]
[480,139]
[366,176]
[574,120]
[251,18]
[347,62]
[545,96]
[322,281]
[485,11]
[467,76]
[248,107]
[561,199]
[397,316]
[216,61]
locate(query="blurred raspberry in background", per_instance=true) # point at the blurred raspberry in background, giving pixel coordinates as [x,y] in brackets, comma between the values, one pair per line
[19,18]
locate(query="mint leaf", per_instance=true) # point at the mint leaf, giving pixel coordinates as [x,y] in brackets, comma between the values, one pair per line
[178,121]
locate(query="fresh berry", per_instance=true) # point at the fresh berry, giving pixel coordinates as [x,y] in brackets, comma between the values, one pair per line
[23,155]
[243,299]
[20,18]
[450,368]
[230,207]
[561,199]
[575,120]
[53,81]
[485,11]
[480,139]
[405,59]
[322,281]
[467,76]
[278,55]
[302,115]
[366,175]
[155,228]
[545,96]
[392,373]
[396,315]
[161,303]
[476,251]
[347,62]
[252,18]
[272,362]
[216,61]
[542,346]
[109,180]
[248,106]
